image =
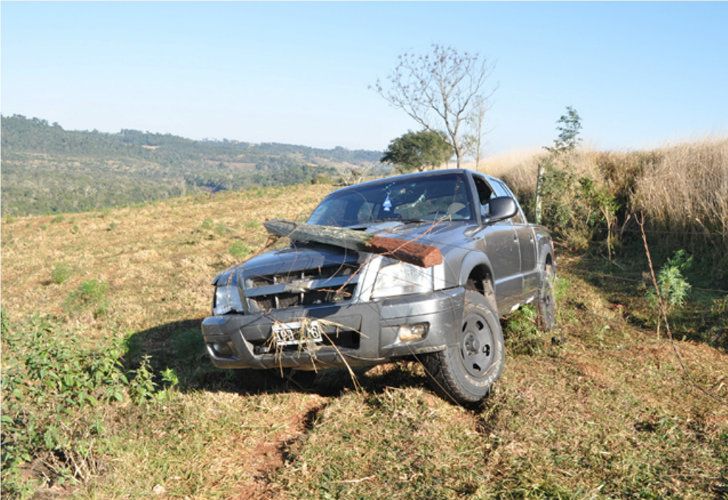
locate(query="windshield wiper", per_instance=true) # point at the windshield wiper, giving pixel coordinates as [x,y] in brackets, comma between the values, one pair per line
[394,219]
[413,220]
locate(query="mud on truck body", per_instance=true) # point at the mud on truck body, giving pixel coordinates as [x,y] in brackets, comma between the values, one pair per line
[313,305]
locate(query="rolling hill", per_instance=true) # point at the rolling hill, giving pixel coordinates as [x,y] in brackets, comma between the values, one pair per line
[47,169]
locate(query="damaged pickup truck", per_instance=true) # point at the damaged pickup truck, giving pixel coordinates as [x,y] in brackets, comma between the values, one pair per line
[453,254]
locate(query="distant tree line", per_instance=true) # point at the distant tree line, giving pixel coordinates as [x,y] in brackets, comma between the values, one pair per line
[46,168]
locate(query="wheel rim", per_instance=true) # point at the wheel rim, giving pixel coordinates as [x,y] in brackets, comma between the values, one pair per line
[477,348]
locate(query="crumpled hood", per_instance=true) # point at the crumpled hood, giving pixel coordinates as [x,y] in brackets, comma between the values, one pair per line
[437,234]
[289,260]
[312,255]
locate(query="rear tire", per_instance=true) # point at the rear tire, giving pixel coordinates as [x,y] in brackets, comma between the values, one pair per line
[546,306]
[465,371]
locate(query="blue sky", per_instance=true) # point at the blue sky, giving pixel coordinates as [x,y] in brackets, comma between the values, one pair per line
[640,74]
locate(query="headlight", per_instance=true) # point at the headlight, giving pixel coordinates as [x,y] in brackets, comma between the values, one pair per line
[399,278]
[227,298]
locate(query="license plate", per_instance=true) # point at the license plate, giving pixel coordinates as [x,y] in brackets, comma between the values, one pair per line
[293,333]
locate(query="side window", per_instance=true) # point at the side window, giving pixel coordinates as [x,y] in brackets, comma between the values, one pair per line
[484,194]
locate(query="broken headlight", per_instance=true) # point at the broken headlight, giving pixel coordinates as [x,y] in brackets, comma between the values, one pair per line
[227,299]
[400,278]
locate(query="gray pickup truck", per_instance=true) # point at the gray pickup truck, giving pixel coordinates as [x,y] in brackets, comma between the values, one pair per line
[360,309]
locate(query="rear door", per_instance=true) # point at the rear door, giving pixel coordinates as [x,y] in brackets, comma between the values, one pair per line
[527,245]
[502,248]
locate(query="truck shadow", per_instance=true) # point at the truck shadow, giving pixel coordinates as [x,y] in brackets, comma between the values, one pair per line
[178,346]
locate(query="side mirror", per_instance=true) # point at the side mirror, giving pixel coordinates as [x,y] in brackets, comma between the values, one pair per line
[502,207]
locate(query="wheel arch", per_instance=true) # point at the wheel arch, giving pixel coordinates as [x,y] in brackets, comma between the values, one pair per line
[476,269]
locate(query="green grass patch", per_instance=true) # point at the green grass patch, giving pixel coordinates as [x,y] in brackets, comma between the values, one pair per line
[239,250]
[90,294]
[521,332]
[61,273]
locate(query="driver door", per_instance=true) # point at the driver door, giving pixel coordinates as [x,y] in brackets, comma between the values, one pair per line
[503,250]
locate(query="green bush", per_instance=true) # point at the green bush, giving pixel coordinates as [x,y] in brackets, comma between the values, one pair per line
[673,286]
[55,395]
[239,249]
[141,388]
[577,208]
[49,378]
[60,273]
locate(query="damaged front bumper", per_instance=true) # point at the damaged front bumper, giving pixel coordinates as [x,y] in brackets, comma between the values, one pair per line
[357,334]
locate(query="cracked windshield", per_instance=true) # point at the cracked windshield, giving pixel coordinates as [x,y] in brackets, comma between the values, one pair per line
[407,200]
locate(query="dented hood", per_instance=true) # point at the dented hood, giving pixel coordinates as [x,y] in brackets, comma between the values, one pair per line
[302,256]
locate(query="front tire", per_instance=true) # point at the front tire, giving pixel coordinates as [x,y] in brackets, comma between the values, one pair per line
[465,371]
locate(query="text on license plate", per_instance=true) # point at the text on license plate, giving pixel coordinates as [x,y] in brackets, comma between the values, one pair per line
[294,333]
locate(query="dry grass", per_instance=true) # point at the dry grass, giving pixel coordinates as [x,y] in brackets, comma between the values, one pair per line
[606,412]
[681,188]
[688,189]
[158,259]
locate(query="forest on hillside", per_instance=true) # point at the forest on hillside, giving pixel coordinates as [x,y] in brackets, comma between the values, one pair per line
[48,169]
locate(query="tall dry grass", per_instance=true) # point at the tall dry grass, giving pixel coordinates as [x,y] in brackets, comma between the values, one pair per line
[681,189]
[687,190]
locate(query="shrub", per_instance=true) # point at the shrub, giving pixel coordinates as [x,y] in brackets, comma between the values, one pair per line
[60,273]
[141,388]
[48,378]
[55,395]
[577,206]
[239,250]
[672,285]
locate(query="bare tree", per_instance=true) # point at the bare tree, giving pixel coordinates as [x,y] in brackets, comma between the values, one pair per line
[438,90]
[474,140]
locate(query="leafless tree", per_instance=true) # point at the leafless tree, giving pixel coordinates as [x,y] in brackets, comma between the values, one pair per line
[476,121]
[439,89]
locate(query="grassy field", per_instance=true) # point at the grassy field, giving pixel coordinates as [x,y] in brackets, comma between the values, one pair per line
[599,408]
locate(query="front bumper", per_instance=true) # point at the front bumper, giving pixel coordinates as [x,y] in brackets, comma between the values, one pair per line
[239,341]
